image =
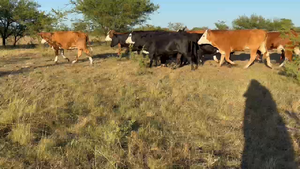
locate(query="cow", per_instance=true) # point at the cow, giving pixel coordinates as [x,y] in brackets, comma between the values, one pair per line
[168,43]
[228,41]
[122,44]
[109,38]
[283,45]
[67,40]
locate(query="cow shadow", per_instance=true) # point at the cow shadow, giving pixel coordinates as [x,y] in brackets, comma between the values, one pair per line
[29,69]
[12,47]
[267,141]
[105,56]
[243,57]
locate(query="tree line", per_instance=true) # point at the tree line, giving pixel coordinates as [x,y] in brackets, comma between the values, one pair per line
[19,18]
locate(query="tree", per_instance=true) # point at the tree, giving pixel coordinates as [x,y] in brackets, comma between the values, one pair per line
[119,15]
[12,11]
[221,25]
[175,26]
[20,17]
[199,28]
[281,24]
[252,22]
[258,22]
[18,31]
[148,27]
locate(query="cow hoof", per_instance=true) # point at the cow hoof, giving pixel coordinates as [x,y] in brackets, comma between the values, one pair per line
[74,61]
[68,60]
[56,62]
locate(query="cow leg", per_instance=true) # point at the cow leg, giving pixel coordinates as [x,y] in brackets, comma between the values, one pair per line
[151,56]
[56,56]
[120,49]
[222,59]
[190,59]
[178,60]
[287,57]
[252,58]
[282,56]
[78,55]
[87,52]
[227,58]
[62,53]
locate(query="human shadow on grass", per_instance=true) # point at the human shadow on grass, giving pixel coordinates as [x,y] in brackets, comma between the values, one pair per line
[267,141]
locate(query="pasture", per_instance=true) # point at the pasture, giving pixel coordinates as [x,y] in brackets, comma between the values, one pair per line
[120,114]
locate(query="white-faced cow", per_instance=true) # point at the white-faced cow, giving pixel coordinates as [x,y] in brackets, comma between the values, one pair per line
[68,40]
[228,41]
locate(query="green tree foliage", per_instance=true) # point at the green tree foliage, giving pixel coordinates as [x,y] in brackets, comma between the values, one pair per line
[292,69]
[259,22]
[20,17]
[175,26]
[221,25]
[252,22]
[199,28]
[119,15]
[149,27]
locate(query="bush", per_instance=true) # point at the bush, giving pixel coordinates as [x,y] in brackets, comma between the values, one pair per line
[292,69]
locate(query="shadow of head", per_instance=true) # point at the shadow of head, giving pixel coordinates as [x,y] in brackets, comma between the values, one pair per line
[267,141]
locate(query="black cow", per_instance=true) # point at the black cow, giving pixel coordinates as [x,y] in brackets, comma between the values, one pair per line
[168,43]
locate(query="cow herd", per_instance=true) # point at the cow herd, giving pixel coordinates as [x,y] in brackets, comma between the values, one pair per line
[184,45]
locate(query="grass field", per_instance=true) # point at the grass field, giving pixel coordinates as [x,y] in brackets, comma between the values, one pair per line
[119,114]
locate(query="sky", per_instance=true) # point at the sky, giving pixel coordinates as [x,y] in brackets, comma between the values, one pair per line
[198,13]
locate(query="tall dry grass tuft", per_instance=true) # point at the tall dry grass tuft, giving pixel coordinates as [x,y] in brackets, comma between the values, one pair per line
[120,114]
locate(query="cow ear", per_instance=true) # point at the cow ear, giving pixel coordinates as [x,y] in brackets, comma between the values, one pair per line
[111,33]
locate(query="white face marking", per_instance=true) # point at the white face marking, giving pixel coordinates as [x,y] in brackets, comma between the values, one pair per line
[108,39]
[56,59]
[203,39]
[129,39]
[43,41]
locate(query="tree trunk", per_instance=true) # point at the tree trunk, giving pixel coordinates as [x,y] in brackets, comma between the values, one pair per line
[16,40]
[3,41]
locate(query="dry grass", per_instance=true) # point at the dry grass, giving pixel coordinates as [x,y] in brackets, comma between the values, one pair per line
[118,114]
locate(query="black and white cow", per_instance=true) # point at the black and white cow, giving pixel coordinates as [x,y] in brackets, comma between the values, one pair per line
[167,43]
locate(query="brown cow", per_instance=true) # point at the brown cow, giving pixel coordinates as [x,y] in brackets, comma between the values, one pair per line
[228,41]
[68,40]
[284,45]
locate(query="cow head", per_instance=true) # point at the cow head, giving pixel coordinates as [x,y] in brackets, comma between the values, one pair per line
[129,40]
[205,38]
[109,36]
[46,37]
[114,40]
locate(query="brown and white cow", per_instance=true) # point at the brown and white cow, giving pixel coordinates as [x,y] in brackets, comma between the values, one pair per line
[67,40]
[228,41]
[109,37]
[283,44]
